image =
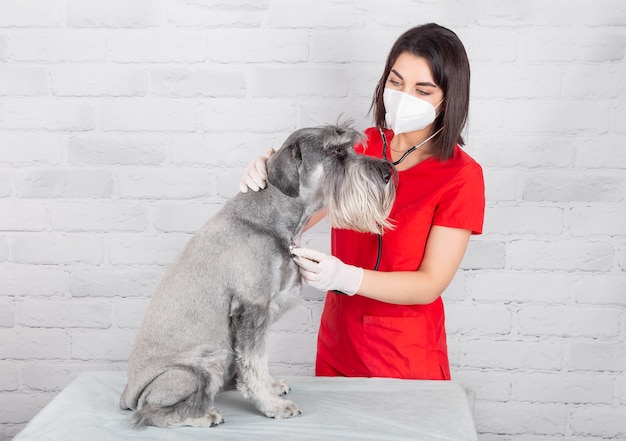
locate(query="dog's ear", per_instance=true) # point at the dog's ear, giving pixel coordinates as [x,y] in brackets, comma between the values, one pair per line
[283,169]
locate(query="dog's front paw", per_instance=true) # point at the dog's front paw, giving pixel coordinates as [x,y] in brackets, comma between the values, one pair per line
[282,409]
[280,387]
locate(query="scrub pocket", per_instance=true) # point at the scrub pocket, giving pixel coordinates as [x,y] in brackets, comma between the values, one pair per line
[400,347]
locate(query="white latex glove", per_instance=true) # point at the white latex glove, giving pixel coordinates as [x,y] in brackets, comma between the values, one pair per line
[255,177]
[327,273]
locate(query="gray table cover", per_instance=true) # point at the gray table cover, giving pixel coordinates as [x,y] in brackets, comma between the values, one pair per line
[332,409]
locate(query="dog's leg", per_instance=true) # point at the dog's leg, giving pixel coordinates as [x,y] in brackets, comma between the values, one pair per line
[282,302]
[251,326]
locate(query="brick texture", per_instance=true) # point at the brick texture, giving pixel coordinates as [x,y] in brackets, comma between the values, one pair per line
[125,125]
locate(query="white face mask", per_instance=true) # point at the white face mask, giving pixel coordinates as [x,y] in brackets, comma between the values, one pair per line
[407,113]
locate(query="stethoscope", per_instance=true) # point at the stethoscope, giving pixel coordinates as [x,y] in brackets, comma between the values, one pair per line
[409,151]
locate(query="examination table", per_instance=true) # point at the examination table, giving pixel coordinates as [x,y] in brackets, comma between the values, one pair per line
[337,409]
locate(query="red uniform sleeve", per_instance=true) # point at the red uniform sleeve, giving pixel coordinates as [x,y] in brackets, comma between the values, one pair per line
[462,203]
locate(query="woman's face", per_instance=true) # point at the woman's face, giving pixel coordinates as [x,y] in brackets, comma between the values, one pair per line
[412,75]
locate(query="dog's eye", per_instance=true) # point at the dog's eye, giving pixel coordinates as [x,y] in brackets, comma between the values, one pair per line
[340,153]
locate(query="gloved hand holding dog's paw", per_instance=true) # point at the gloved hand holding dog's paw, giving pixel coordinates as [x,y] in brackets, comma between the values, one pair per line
[325,272]
[255,177]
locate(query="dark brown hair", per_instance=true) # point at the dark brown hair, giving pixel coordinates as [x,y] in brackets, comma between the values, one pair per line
[448,62]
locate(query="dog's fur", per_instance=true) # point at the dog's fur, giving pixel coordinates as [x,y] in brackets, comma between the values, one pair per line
[207,323]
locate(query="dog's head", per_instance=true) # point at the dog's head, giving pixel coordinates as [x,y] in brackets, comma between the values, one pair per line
[320,166]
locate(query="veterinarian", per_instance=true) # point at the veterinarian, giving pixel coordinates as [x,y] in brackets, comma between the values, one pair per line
[383,315]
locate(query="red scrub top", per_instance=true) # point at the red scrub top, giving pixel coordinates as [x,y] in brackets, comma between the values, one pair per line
[361,337]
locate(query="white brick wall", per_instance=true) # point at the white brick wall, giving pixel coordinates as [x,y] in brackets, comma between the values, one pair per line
[125,125]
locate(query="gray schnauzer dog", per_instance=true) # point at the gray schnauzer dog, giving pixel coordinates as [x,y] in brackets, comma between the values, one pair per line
[206,325]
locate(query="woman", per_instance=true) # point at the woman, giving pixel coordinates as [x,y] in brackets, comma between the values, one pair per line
[394,327]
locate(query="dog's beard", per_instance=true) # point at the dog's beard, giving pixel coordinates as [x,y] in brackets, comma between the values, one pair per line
[358,199]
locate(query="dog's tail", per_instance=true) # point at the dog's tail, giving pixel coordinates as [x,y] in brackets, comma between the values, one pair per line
[183,394]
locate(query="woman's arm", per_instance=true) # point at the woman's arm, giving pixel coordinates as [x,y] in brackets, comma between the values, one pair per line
[444,252]
[316,218]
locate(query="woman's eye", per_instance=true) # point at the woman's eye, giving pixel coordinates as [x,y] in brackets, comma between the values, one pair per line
[394,82]
[422,92]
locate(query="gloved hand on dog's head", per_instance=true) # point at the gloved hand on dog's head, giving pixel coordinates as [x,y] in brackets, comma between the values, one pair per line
[255,177]
[325,272]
